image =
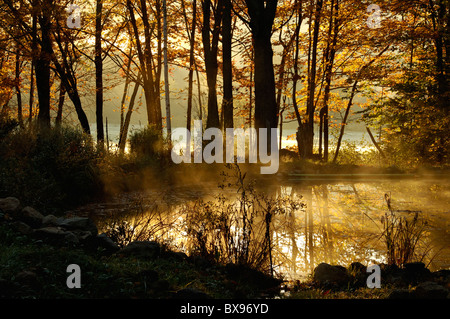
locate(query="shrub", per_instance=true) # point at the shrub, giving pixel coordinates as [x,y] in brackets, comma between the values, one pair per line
[237,230]
[148,142]
[49,169]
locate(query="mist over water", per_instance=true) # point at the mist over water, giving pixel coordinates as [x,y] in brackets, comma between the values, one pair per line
[340,224]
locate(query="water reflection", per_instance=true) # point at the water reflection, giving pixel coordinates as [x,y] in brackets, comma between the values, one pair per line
[342,222]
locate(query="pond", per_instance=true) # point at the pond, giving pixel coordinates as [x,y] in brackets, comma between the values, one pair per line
[338,220]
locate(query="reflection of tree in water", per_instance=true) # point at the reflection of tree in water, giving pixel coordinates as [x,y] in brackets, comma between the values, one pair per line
[342,224]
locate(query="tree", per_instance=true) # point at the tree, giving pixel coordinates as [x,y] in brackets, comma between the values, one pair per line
[150,70]
[99,72]
[227,34]
[191,36]
[262,16]
[210,49]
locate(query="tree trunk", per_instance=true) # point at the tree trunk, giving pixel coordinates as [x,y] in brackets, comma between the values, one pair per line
[227,33]
[151,89]
[299,8]
[329,62]
[126,124]
[210,49]
[191,35]
[344,121]
[18,92]
[308,127]
[42,66]
[166,74]
[62,94]
[262,15]
[99,73]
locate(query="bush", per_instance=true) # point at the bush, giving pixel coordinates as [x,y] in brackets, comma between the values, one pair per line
[49,169]
[148,142]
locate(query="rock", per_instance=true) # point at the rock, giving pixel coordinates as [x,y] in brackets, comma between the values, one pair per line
[325,273]
[9,205]
[79,223]
[400,294]
[414,267]
[71,238]
[141,249]
[359,273]
[31,216]
[106,243]
[22,228]
[430,290]
[189,293]
[416,272]
[51,234]
[50,220]
[356,268]
[83,235]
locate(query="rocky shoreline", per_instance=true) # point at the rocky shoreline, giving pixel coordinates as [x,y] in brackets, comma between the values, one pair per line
[412,281]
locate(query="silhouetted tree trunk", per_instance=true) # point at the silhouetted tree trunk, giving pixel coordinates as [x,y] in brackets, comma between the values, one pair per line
[308,127]
[262,15]
[42,66]
[227,33]
[62,94]
[150,82]
[99,73]
[329,62]
[210,48]
[126,124]
[166,73]
[17,84]
[191,36]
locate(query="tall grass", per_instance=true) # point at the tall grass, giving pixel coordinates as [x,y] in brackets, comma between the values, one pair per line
[402,235]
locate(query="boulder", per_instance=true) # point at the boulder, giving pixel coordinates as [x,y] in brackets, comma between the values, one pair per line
[106,243]
[357,268]
[416,272]
[78,223]
[71,238]
[325,274]
[141,249]
[53,234]
[22,228]
[50,220]
[83,235]
[9,205]
[414,267]
[359,274]
[31,216]
[430,290]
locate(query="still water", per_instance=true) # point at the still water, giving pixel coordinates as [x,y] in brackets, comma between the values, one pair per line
[339,222]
